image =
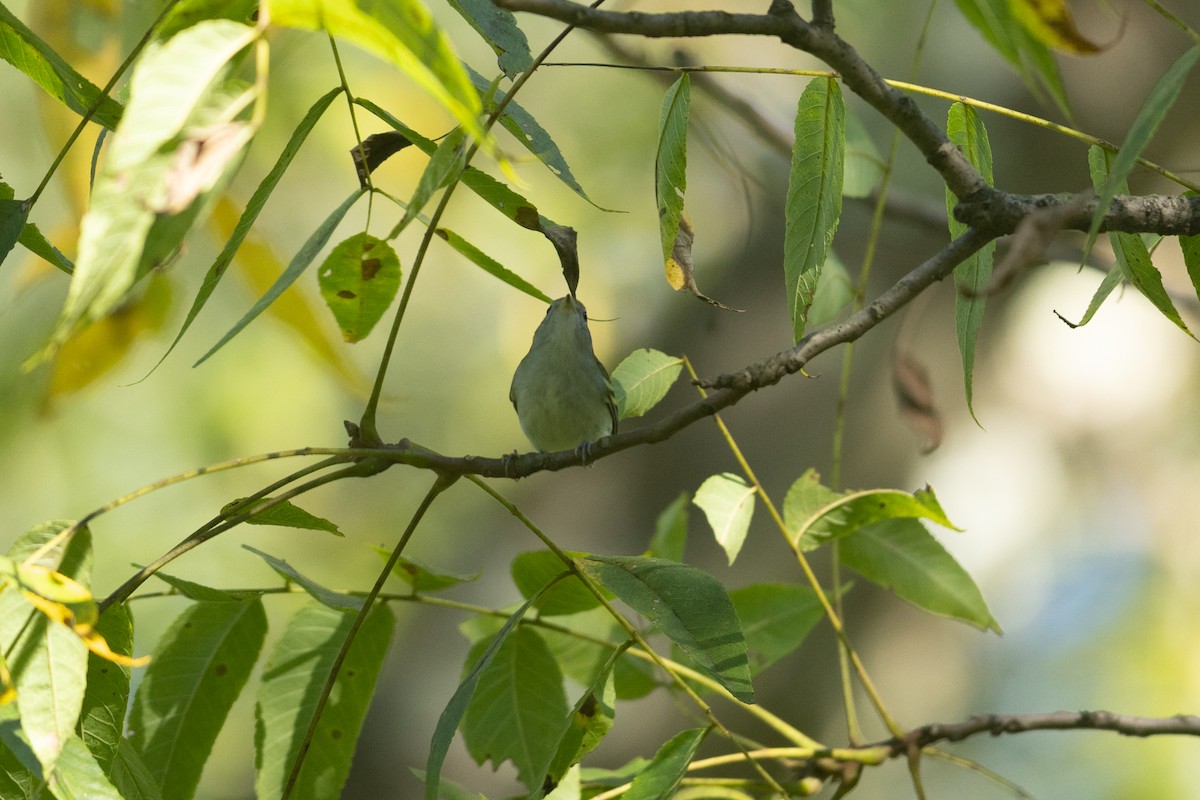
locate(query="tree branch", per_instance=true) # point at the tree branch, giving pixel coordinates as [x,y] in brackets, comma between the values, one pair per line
[982,206]
[999,724]
[729,388]
[1000,212]
[782,21]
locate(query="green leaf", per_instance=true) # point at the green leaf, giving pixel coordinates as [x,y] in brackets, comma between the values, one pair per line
[445,165]
[294,675]
[253,209]
[814,195]
[452,714]
[776,617]
[854,510]
[533,572]
[13,214]
[35,242]
[670,530]
[670,164]
[689,606]
[1190,245]
[403,33]
[1030,57]
[518,711]
[23,49]
[328,597]
[102,718]
[167,152]
[1133,258]
[1112,279]
[835,292]
[498,27]
[198,591]
[14,228]
[49,666]
[661,777]
[299,263]
[359,279]
[642,380]
[48,661]
[728,503]
[77,775]
[899,554]
[199,667]
[420,577]
[490,265]
[187,13]
[1141,131]
[286,515]
[806,496]
[131,775]
[972,276]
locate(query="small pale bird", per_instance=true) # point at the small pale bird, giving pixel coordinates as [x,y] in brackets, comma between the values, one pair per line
[561,391]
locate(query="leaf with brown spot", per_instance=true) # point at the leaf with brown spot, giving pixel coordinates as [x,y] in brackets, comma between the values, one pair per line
[359,280]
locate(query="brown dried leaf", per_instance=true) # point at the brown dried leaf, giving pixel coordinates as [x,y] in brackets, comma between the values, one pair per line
[565,243]
[376,149]
[200,161]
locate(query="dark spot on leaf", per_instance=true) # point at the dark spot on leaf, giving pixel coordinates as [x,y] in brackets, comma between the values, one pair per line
[335,734]
[221,669]
[588,709]
[347,294]
[370,268]
[528,217]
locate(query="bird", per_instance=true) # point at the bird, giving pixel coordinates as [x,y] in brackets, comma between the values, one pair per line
[562,393]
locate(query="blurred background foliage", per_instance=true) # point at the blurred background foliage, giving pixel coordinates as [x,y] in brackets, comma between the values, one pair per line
[1075,492]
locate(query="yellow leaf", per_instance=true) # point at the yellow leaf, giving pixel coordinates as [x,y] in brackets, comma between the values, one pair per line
[1051,23]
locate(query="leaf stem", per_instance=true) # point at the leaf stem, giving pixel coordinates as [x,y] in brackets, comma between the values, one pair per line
[811,576]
